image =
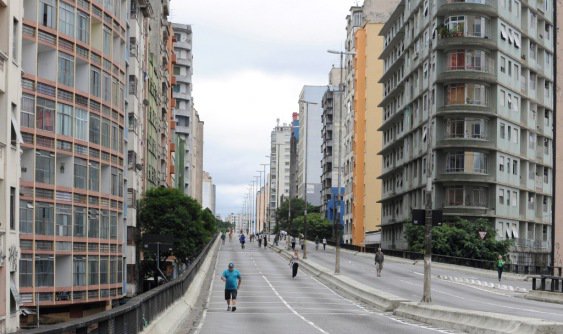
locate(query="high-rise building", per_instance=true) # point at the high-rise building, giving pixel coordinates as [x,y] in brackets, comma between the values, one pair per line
[473,82]
[208,192]
[74,58]
[331,156]
[279,169]
[368,117]
[11,13]
[309,155]
[353,23]
[294,139]
[197,158]
[556,247]
[182,92]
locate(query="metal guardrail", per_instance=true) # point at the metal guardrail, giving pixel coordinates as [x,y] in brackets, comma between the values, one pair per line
[461,261]
[137,313]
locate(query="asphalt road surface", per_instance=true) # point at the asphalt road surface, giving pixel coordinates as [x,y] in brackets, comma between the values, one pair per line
[270,301]
[406,280]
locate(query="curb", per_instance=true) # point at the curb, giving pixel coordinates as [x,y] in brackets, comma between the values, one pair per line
[545,296]
[484,284]
[475,322]
[446,317]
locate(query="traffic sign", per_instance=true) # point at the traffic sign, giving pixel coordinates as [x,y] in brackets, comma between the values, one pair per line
[482,234]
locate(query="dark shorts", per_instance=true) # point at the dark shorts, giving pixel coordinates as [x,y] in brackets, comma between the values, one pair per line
[230,294]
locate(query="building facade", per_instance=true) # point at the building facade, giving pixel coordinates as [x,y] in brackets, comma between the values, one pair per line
[73,124]
[208,192]
[182,93]
[331,159]
[279,169]
[197,158]
[484,79]
[309,155]
[353,23]
[558,172]
[11,13]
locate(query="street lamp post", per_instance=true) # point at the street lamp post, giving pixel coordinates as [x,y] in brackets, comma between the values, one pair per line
[305,132]
[261,191]
[256,178]
[338,212]
[266,199]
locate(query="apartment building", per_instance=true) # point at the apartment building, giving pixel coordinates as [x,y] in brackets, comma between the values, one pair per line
[353,23]
[73,155]
[293,140]
[309,155]
[182,93]
[279,169]
[558,185]
[331,134]
[11,13]
[472,81]
[208,192]
[197,158]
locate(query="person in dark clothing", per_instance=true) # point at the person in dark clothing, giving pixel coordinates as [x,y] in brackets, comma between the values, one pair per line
[379,261]
[265,242]
[294,264]
[293,243]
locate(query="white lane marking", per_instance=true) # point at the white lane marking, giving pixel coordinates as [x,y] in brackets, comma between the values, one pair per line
[312,324]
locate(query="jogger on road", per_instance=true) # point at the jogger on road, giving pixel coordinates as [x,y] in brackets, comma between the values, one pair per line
[232,280]
[294,264]
[379,261]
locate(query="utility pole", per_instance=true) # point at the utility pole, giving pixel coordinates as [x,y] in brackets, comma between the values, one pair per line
[338,212]
[427,289]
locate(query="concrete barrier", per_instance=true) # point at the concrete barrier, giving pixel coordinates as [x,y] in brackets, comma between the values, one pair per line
[475,322]
[171,319]
[545,296]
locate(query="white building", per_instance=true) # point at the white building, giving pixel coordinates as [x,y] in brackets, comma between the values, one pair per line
[208,192]
[10,139]
[279,168]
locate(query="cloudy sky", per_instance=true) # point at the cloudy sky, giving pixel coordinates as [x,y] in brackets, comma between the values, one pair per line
[251,59]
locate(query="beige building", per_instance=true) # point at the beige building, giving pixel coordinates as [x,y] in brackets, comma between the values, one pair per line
[197,159]
[11,13]
[558,210]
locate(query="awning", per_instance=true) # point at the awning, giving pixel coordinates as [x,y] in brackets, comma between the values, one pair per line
[515,233]
[17,129]
[502,33]
[516,42]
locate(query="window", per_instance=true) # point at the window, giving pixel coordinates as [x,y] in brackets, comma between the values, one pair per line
[532,140]
[44,270]
[95,82]
[455,94]
[79,222]
[475,128]
[81,125]
[93,223]
[515,167]
[545,175]
[177,70]
[501,196]
[44,218]
[501,164]
[44,167]
[93,272]
[80,173]
[66,69]
[64,220]
[515,136]
[66,19]
[94,176]
[79,270]
[454,196]
[15,40]
[502,131]
[455,128]
[104,269]
[107,42]
[116,180]
[115,139]
[26,217]
[514,198]
[94,129]
[502,64]
[47,13]
[12,208]
[104,226]
[64,119]
[83,27]
[27,116]
[455,162]
[105,133]
[26,271]
[479,162]
[106,87]
[503,31]
[45,114]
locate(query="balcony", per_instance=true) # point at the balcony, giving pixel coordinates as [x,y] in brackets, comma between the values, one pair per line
[487,7]
[469,32]
[480,69]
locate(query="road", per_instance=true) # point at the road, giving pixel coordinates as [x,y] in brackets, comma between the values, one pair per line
[405,280]
[270,301]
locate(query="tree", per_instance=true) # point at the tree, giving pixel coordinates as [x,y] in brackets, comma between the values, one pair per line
[460,239]
[168,212]
[317,226]
[297,210]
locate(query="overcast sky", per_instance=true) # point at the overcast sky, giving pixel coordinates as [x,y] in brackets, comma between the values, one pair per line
[251,59]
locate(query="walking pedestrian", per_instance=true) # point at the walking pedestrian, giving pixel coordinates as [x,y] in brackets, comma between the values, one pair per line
[259,240]
[317,242]
[293,243]
[500,266]
[223,238]
[379,261]
[294,263]
[324,244]
[232,280]
[242,240]
[265,241]
[302,243]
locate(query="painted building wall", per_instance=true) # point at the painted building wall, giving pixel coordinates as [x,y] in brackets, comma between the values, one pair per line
[558,159]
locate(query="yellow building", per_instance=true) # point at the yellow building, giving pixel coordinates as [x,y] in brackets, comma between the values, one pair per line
[367,119]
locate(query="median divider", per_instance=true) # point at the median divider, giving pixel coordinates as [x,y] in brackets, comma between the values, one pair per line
[446,317]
